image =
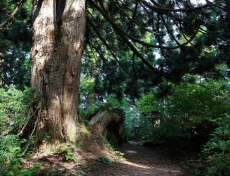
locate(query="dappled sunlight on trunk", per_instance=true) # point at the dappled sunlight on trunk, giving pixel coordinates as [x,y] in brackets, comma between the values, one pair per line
[58,33]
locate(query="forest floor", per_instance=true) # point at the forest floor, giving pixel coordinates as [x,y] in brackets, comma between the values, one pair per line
[138,160]
[143,161]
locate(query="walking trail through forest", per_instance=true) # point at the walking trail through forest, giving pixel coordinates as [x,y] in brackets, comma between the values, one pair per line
[139,161]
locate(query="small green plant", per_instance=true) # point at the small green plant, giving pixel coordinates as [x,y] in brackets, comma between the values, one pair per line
[103,160]
[118,155]
[81,172]
[30,171]
[68,155]
[45,136]
[84,131]
[79,144]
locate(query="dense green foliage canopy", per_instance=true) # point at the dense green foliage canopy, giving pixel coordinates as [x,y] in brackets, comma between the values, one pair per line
[15,42]
[141,44]
[135,52]
[135,44]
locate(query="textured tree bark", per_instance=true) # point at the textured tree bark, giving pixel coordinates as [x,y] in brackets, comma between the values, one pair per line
[58,32]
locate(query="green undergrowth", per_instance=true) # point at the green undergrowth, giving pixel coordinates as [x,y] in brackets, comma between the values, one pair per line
[216,152]
[112,152]
[103,160]
[14,108]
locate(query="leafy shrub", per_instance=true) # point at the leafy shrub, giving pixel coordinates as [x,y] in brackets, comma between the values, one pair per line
[187,112]
[217,150]
[10,152]
[191,106]
[30,171]
[14,107]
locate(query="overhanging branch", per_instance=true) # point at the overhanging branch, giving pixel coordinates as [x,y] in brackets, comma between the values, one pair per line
[163,9]
[106,14]
[12,14]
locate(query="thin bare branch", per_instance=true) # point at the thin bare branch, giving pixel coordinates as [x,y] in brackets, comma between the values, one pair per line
[104,11]
[12,14]
[163,9]
[105,43]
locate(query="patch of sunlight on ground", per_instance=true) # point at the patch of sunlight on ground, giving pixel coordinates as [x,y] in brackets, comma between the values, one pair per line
[136,165]
[159,168]
[130,151]
[154,167]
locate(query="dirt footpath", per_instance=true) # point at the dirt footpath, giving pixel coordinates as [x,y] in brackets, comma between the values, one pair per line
[140,161]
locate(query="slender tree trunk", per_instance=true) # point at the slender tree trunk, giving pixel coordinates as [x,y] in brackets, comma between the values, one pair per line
[58,32]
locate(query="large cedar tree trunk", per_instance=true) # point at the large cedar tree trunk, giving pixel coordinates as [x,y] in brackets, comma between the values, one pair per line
[58,32]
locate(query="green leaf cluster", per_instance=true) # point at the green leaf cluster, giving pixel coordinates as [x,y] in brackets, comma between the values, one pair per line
[103,160]
[10,151]
[187,112]
[14,108]
[217,150]
[13,112]
[68,155]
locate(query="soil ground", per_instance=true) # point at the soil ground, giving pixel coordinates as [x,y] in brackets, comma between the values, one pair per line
[138,160]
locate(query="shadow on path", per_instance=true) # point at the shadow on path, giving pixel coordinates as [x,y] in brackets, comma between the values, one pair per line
[140,161]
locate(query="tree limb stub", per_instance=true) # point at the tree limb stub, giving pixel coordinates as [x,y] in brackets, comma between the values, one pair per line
[102,119]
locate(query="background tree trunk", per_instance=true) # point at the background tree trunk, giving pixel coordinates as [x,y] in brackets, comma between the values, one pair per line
[58,32]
